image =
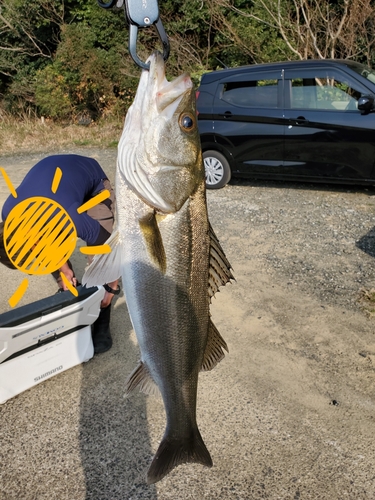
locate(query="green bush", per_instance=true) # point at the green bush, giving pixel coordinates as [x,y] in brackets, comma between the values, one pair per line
[52,93]
[83,79]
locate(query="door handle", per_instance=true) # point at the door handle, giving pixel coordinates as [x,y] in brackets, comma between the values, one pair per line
[226,114]
[300,120]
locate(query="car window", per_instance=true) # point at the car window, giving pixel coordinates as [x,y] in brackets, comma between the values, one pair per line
[323,92]
[365,71]
[255,93]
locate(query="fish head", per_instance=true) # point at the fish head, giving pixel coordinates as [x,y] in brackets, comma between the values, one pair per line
[160,156]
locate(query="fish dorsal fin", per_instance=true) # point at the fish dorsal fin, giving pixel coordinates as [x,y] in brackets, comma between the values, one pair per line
[105,268]
[154,241]
[220,268]
[214,348]
[140,378]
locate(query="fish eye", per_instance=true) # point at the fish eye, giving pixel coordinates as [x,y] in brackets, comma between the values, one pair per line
[187,122]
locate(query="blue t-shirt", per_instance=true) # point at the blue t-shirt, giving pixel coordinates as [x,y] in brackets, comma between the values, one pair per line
[82,178]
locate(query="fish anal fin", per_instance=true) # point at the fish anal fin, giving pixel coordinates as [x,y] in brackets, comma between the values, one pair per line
[153,241]
[214,348]
[173,452]
[141,379]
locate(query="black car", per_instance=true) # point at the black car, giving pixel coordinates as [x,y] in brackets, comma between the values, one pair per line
[299,120]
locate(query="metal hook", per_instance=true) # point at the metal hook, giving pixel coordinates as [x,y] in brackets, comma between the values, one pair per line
[140,14]
[133,32]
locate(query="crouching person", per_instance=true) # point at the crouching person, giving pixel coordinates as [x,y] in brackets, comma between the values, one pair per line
[81,179]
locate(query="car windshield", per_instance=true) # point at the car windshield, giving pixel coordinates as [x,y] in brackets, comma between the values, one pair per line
[365,71]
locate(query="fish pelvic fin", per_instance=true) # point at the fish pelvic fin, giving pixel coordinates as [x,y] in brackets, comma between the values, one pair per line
[154,241]
[173,452]
[105,268]
[220,269]
[140,378]
[214,348]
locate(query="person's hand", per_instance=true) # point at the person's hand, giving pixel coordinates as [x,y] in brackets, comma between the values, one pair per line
[69,274]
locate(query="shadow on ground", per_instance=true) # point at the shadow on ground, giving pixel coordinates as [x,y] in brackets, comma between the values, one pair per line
[113,430]
[367,243]
[310,186]
[113,434]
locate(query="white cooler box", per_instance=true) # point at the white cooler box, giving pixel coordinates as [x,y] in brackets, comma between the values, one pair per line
[42,339]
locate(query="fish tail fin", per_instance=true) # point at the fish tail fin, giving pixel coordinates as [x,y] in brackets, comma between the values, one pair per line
[173,452]
[105,268]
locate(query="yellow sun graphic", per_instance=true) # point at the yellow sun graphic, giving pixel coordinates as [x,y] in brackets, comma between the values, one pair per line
[40,236]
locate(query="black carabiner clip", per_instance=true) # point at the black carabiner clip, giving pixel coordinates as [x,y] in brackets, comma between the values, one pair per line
[142,14]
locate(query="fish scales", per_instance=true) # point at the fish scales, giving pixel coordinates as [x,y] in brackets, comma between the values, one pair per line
[162,248]
[178,303]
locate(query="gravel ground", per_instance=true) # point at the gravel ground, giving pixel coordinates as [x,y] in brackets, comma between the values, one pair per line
[288,414]
[318,238]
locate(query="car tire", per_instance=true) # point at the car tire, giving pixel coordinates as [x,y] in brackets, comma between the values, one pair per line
[218,172]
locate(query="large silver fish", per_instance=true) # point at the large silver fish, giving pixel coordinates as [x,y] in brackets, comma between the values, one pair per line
[170,261]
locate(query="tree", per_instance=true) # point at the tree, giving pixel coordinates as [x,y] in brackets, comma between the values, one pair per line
[313,29]
[84,80]
[29,33]
[65,57]
[77,53]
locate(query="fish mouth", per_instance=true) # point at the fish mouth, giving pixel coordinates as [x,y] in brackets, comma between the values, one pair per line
[168,95]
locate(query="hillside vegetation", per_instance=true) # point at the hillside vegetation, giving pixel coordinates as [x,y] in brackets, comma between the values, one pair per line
[67,60]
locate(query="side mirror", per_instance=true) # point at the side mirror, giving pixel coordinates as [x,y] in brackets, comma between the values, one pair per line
[366,104]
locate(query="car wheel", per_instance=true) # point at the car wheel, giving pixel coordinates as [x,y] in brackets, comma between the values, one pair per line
[218,172]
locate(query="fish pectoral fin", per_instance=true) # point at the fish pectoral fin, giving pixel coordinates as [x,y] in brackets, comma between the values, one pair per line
[140,378]
[105,268]
[214,348]
[154,241]
[175,451]
[220,269]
